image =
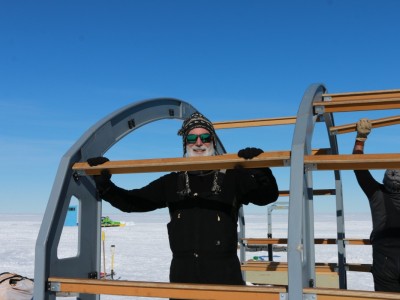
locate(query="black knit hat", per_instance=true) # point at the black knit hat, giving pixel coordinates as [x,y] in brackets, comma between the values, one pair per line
[196,120]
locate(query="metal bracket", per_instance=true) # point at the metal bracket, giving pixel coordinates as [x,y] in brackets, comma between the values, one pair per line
[333,132]
[320,118]
[54,286]
[319,110]
[311,283]
[284,296]
[67,294]
[310,167]
[76,176]
[131,123]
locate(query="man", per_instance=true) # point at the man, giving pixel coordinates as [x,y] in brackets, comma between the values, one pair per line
[384,201]
[203,207]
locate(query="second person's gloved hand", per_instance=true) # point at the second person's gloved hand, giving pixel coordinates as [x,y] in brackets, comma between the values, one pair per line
[249,152]
[364,127]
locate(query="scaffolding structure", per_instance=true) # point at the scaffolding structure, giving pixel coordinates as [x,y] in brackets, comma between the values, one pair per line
[79,275]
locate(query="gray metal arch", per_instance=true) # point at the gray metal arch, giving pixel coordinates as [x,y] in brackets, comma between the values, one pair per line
[301,249]
[329,122]
[94,142]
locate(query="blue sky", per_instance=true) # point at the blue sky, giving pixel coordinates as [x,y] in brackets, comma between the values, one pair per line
[64,65]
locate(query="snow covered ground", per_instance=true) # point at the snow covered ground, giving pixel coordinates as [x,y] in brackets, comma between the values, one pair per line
[142,250]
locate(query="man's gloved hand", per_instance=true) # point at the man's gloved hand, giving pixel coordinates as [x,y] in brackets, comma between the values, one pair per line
[103,180]
[363,129]
[95,161]
[249,152]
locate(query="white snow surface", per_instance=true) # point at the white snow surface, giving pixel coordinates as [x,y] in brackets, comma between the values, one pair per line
[142,250]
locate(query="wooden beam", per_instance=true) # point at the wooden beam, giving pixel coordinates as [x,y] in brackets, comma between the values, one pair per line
[165,290]
[197,291]
[353,161]
[357,241]
[375,124]
[358,105]
[367,95]
[254,123]
[338,294]
[320,192]
[283,266]
[264,241]
[229,161]
[277,241]
[358,101]
[226,161]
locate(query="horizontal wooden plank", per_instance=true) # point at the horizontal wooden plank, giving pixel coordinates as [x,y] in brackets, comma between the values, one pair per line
[318,241]
[254,123]
[264,241]
[228,161]
[197,291]
[366,95]
[353,161]
[283,267]
[360,101]
[338,294]
[357,241]
[375,124]
[319,192]
[358,105]
[225,161]
[165,290]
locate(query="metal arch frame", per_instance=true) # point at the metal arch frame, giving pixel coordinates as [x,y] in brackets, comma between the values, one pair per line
[301,248]
[94,142]
[340,228]
[99,138]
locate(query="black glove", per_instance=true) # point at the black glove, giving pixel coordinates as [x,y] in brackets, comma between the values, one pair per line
[95,161]
[103,181]
[249,152]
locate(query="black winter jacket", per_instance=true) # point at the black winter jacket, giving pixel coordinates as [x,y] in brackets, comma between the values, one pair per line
[203,226]
[385,211]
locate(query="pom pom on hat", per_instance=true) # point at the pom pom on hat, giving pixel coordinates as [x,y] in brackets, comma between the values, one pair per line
[391,180]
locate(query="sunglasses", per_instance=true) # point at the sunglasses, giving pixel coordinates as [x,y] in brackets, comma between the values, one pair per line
[192,138]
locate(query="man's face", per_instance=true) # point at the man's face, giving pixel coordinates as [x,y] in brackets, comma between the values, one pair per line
[199,143]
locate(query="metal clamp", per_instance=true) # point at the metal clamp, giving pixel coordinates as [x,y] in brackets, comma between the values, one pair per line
[284,296]
[286,162]
[54,286]
[310,167]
